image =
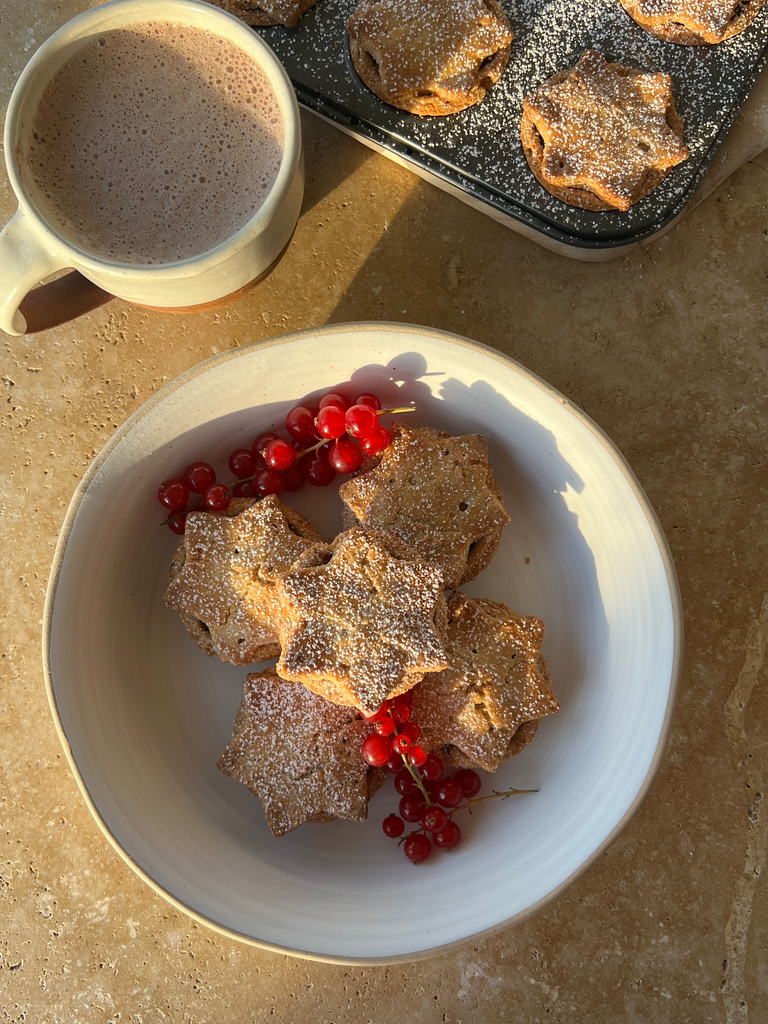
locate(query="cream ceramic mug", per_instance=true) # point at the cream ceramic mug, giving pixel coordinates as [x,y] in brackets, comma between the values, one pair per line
[34,246]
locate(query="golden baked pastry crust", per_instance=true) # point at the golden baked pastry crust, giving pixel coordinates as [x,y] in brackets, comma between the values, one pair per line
[363,619]
[602,136]
[438,494]
[693,22]
[223,576]
[497,682]
[429,57]
[299,754]
[266,12]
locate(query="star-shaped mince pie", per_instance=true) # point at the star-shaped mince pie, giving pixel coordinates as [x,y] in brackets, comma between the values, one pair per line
[497,682]
[363,619]
[267,12]
[299,754]
[429,57]
[224,573]
[602,136]
[693,22]
[438,494]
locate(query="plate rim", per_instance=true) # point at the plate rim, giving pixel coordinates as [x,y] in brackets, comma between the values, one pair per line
[393,327]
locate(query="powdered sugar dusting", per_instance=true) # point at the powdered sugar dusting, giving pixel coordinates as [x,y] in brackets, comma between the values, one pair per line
[225,572]
[714,20]
[479,149]
[497,681]
[432,491]
[420,44]
[363,619]
[605,129]
[298,753]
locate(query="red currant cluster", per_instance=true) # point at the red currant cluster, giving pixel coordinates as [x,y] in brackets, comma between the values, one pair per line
[427,798]
[322,444]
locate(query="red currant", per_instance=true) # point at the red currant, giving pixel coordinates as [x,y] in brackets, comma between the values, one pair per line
[417,848]
[404,698]
[469,781]
[317,470]
[268,481]
[393,826]
[300,424]
[378,715]
[449,793]
[384,726]
[394,764]
[345,457]
[412,806]
[368,399]
[361,420]
[411,730]
[376,750]
[435,818]
[242,462]
[293,478]
[432,768]
[279,454]
[334,398]
[243,489]
[174,494]
[401,744]
[430,788]
[417,756]
[217,498]
[376,441]
[260,444]
[404,783]
[178,524]
[199,476]
[449,837]
[401,712]
[330,422]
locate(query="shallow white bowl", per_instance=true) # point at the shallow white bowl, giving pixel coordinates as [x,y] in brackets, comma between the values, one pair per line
[143,714]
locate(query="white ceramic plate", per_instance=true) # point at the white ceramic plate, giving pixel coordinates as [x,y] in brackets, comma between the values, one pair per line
[143,714]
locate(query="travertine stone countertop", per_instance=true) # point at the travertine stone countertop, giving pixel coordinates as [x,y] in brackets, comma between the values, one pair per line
[666,349]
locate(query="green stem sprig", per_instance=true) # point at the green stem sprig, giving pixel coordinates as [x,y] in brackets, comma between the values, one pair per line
[392,412]
[503,795]
[416,778]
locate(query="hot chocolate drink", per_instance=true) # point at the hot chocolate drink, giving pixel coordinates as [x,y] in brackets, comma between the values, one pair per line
[154,143]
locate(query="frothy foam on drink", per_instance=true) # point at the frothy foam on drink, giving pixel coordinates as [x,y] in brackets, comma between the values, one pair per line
[155,143]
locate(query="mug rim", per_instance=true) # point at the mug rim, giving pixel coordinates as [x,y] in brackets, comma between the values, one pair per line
[80,28]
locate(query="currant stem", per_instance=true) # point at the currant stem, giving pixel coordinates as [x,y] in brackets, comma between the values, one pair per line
[389,412]
[411,769]
[463,807]
[416,832]
[314,448]
[490,796]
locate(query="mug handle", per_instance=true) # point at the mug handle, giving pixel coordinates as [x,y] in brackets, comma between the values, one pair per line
[24,262]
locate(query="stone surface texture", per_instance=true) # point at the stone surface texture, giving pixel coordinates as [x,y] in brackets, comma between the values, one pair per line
[666,349]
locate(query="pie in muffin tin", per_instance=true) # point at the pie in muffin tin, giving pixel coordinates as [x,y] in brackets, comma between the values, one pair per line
[476,153]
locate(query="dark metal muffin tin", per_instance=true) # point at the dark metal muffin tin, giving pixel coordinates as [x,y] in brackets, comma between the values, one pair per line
[478,151]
